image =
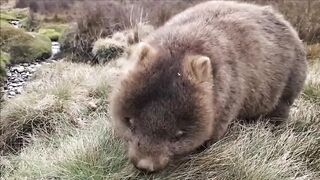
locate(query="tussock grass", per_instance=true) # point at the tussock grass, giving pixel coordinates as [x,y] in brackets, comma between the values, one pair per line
[87,149]
[314,52]
[107,49]
[312,86]
[62,95]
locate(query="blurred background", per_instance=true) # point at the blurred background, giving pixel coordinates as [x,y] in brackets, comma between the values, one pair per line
[77,24]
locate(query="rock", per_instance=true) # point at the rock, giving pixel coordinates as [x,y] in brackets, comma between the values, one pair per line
[45,63]
[17,79]
[32,70]
[92,105]
[11,93]
[18,90]
[20,69]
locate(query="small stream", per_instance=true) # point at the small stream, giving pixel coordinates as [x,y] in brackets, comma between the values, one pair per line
[19,74]
[15,23]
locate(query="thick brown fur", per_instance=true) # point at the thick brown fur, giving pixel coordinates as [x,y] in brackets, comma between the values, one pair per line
[211,64]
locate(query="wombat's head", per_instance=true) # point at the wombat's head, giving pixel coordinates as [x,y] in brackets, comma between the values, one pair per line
[163,106]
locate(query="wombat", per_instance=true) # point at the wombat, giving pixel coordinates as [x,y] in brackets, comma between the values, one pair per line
[207,66]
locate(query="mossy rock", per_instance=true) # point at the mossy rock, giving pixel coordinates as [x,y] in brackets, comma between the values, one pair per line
[24,46]
[51,34]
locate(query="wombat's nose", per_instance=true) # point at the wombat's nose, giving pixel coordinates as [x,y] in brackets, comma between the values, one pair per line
[145,165]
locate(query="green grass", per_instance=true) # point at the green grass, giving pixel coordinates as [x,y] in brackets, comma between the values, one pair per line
[78,142]
[13,14]
[50,33]
[53,31]
[4,23]
[9,14]
[56,26]
[24,46]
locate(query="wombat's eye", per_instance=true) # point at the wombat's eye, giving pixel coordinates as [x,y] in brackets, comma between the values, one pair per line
[179,134]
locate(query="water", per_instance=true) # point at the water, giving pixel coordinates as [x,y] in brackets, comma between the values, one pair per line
[55,46]
[15,23]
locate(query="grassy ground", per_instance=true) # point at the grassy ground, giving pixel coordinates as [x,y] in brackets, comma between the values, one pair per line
[59,129]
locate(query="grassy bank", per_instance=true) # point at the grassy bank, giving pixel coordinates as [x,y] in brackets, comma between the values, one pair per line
[60,129]
[24,46]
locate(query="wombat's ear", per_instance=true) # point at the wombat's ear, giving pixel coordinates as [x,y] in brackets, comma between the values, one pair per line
[144,51]
[198,68]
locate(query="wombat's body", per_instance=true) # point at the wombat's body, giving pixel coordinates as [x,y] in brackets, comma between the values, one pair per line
[205,67]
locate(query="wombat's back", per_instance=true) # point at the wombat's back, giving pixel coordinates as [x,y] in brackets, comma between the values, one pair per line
[253,49]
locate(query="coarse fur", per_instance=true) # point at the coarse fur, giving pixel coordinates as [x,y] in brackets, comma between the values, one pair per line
[211,64]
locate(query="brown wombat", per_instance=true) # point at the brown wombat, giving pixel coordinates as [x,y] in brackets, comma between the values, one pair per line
[211,64]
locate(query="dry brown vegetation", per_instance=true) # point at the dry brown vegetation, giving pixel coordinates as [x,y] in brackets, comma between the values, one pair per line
[101,18]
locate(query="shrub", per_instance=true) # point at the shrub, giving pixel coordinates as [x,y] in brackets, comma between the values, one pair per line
[106,49]
[98,20]
[24,46]
[22,3]
[303,15]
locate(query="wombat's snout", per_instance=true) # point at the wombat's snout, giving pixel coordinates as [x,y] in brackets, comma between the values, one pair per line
[152,163]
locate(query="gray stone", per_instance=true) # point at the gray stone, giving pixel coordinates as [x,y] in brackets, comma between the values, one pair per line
[31,70]
[18,90]
[11,93]
[20,69]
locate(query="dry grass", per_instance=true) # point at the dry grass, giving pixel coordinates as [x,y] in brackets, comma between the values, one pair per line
[80,144]
[103,18]
[63,95]
[303,14]
[313,52]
